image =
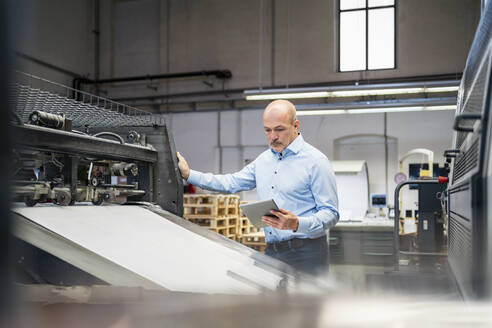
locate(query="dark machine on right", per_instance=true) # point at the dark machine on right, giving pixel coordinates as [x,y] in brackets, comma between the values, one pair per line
[459,204]
[470,186]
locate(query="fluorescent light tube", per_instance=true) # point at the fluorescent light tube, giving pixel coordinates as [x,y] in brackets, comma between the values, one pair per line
[298,95]
[446,107]
[347,93]
[321,112]
[374,92]
[442,89]
[373,110]
[385,110]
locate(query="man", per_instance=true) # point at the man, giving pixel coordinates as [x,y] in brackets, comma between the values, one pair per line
[300,180]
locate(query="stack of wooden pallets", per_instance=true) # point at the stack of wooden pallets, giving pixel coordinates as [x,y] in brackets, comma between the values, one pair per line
[219,213]
[255,240]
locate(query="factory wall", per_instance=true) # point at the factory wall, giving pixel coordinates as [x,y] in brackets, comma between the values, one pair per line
[57,33]
[296,44]
[298,40]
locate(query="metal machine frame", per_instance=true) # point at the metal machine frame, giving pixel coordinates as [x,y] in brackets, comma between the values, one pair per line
[159,180]
[468,209]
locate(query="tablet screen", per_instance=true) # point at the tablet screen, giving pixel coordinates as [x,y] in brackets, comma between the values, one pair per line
[254,211]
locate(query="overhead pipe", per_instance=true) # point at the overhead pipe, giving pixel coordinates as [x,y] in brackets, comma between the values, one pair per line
[220,74]
[421,79]
[47,65]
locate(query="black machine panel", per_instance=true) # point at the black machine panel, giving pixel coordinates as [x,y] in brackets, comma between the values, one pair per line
[167,186]
[469,241]
[71,147]
[430,223]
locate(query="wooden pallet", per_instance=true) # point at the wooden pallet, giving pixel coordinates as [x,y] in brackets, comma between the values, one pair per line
[226,226]
[213,222]
[217,212]
[245,227]
[229,232]
[217,205]
[254,240]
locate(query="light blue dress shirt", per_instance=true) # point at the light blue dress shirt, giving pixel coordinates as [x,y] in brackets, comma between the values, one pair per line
[300,179]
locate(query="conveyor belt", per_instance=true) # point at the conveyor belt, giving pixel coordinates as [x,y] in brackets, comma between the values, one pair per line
[134,246]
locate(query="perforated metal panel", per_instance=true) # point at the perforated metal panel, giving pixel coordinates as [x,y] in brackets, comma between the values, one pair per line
[480,44]
[467,209]
[460,251]
[30,93]
[474,98]
[467,162]
[460,243]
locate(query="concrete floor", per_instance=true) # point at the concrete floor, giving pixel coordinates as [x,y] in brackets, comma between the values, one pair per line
[425,277]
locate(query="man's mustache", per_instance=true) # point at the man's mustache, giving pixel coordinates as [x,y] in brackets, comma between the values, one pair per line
[275,143]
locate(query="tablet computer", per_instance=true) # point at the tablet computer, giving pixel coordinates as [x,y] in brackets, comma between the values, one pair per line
[254,211]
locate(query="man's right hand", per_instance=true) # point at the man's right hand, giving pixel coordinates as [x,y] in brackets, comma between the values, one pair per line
[183,166]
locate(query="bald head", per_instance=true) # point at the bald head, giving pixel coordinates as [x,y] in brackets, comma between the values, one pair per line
[281,107]
[280,124]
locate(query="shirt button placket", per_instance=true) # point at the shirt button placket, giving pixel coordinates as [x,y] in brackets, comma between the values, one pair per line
[276,171]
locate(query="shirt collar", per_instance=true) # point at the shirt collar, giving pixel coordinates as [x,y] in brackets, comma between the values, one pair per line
[294,147]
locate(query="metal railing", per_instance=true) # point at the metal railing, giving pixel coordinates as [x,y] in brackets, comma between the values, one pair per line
[30,93]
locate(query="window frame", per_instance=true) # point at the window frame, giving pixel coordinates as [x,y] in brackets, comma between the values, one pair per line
[366,8]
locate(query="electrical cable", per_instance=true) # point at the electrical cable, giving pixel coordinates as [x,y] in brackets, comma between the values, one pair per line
[56,162]
[110,134]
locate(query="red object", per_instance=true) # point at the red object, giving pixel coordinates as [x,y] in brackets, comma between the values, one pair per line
[191,189]
[442,180]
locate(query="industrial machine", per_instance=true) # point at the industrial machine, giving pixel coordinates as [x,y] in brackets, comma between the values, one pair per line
[65,152]
[98,200]
[423,229]
[469,193]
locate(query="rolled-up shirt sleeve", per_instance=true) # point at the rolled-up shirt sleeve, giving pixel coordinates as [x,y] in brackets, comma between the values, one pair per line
[324,190]
[229,183]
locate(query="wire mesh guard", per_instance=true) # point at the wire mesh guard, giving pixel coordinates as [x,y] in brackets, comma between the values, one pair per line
[30,93]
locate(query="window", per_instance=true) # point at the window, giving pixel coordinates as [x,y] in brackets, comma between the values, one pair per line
[366,35]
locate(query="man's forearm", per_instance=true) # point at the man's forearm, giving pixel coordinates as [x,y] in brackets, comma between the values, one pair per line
[206,181]
[322,220]
[228,183]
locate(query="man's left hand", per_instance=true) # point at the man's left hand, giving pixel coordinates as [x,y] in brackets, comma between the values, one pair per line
[285,220]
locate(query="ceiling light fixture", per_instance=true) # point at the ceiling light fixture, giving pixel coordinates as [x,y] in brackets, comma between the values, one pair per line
[445,107]
[385,110]
[373,110]
[354,91]
[299,95]
[321,112]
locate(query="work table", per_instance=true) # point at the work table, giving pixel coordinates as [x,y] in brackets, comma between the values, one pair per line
[366,242]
